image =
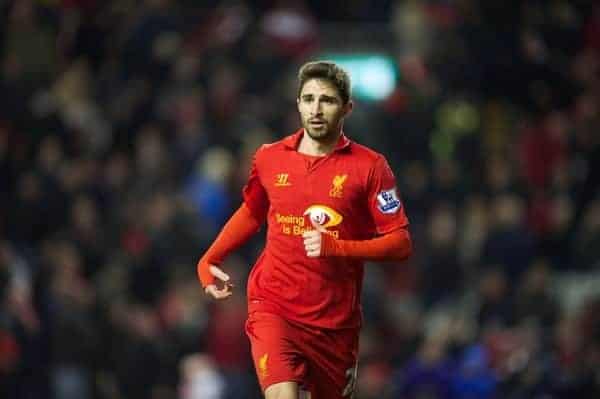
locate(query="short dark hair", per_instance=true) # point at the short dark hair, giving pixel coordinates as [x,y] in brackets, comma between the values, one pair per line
[328,71]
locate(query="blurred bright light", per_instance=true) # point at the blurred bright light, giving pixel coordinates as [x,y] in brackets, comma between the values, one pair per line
[373,75]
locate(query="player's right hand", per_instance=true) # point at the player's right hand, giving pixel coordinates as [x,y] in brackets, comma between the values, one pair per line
[213,289]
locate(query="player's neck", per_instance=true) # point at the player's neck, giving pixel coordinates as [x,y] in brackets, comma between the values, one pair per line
[310,146]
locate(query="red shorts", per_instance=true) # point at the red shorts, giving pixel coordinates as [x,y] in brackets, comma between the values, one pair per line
[323,362]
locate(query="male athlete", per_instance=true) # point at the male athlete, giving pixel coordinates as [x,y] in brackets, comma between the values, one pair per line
[330,204]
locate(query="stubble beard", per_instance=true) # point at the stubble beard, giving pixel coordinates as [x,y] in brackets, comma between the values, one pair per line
[324,135]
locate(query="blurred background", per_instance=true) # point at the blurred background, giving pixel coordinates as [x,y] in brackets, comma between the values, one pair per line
[126,129]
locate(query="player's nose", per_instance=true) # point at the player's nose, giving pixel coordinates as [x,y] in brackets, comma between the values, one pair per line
[316,109]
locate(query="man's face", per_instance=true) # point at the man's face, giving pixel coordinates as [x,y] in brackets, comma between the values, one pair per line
[321,109]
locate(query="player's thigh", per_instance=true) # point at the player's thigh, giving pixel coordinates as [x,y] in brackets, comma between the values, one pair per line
[282,390]
[287,390]
[277,358]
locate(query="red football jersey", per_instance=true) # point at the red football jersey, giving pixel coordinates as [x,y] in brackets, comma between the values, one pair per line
[351,192]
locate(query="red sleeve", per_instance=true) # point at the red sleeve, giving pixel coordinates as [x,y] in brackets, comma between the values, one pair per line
[385,206]
[395,246]
[238,229]
[255,195]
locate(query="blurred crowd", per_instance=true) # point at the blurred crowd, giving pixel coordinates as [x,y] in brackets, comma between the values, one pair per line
[126,129]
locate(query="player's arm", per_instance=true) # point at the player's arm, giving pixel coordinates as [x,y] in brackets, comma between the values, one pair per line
[242,225]
[392,241]
[394,246]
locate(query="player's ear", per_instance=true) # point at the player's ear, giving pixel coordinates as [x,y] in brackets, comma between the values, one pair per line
[348,108]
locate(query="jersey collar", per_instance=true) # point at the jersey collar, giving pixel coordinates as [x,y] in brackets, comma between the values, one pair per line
[292,142]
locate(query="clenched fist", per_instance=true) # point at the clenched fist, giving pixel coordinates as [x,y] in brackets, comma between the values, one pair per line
[313,240]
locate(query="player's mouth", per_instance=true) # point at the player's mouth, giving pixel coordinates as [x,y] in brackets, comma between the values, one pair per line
[317,123]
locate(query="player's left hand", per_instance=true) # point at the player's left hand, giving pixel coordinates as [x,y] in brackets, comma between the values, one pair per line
[312,243]
[313,240]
